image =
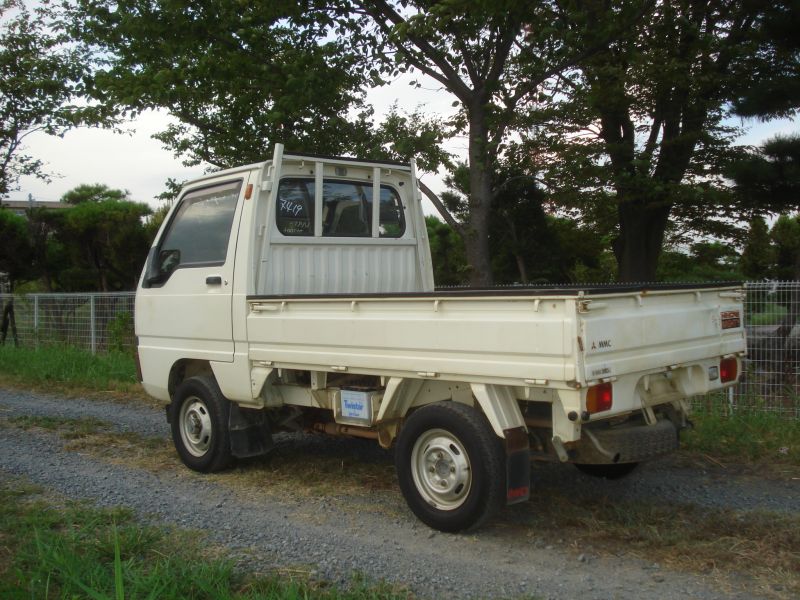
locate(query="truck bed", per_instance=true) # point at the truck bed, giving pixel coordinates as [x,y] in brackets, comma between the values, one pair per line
[512,336]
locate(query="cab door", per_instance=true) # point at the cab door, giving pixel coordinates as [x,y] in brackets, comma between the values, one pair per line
[183,305]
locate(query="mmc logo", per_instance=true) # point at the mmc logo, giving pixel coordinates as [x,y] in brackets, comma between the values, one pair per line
[602,344]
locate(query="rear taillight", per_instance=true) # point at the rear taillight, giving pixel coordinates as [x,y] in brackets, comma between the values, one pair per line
[728,369]
[599,398]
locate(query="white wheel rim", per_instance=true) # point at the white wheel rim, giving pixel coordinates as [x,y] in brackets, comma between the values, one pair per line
[195,426]
[441,469]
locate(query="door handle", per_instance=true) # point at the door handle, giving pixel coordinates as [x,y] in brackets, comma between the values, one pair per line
[213,280]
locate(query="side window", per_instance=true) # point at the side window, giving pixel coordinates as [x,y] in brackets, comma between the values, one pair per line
[346,209]
[392,223]
[295,214]
[199,231]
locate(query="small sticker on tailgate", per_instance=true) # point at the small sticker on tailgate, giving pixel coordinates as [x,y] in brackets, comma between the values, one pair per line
[730,319]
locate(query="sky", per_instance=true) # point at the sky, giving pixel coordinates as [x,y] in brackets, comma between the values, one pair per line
[137,163]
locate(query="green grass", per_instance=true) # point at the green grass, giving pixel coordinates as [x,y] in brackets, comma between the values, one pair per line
[56,549]
[744,436]
[69,367]
[771,315]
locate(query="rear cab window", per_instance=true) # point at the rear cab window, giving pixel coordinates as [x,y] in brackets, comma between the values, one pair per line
[346,209]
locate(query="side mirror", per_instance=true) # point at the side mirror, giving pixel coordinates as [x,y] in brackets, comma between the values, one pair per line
[161,265]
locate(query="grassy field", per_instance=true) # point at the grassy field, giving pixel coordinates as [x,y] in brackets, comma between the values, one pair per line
[68,367]
[53,548]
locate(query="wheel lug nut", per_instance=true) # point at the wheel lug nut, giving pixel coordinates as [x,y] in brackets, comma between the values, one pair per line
[452,469]
[432,469]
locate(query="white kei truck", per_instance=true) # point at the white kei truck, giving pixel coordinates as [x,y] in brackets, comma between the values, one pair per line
[297,294]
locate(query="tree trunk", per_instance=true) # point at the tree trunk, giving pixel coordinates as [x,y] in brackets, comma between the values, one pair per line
[640,238]
[476,237]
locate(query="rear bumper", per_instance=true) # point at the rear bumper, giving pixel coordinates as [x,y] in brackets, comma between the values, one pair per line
[630,442]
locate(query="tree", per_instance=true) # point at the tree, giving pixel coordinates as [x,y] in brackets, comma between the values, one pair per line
[447,254]
[107,245]
[785,233]
[292,72]
[15,246]
[40,79]
[645,118]
[758,257]
[768,179]
[237,77]
[705,261]
[96,192]
[493,57]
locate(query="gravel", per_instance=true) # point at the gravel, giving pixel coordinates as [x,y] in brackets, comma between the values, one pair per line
[374,533]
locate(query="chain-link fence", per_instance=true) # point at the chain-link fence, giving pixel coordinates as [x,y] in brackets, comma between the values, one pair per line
[771,377]
[94,322]
[770,382]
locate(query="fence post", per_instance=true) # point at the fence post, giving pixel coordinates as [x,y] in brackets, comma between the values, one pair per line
[92,320]
[36,321]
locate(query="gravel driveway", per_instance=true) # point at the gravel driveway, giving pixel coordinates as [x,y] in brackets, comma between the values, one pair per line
[374,533]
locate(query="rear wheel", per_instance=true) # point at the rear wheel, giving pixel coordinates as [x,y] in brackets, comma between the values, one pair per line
[611,471]
[450,465]
[199,417]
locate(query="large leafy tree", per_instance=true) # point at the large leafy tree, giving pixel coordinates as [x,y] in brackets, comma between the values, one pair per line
[493,58]
[41,78]
[236,76]
[644,121]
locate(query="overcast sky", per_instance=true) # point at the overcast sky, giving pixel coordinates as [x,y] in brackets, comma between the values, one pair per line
[139,164]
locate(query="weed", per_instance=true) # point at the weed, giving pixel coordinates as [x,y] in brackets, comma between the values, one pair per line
[763,545]
[68,366]
[744,436]
[76,551]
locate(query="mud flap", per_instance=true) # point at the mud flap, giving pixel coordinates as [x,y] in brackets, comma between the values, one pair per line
[249,432]
[518,465]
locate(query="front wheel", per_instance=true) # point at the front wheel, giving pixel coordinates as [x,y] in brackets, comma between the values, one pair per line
[450,466]
[199,418]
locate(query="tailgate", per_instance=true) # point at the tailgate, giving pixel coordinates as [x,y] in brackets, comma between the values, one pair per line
[652,330]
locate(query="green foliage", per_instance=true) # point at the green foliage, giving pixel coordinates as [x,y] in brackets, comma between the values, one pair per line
[15,245]
[706,261]
[72,550]
[96,192]
[744,435]
[758,257]
[120,332]
[771,314]
[107,245]
[67,366]
[41,75]
[447,254]
[768,179]
[785,234]
[776,92]
[236,76]
[646,118]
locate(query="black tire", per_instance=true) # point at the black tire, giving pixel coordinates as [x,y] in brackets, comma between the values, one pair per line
[199,418]
[614,471]
[462,454]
